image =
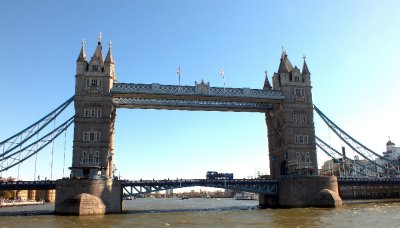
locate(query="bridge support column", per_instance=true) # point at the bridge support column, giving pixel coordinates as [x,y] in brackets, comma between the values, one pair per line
[303,191]
[88,196]
[308,191]
[265,201]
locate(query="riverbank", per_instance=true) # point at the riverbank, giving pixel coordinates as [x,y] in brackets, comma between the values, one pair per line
[15,203]
[362,201]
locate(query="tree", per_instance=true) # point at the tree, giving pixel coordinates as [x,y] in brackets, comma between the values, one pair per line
[6,194]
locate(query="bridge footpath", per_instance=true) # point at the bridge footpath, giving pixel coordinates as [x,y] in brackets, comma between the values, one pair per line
[349,188]
[28,185]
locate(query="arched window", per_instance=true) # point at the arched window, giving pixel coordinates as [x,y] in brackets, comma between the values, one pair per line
[97,158]
[91,157]
[84,157]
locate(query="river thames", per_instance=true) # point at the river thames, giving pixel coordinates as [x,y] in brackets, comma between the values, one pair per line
[208,213]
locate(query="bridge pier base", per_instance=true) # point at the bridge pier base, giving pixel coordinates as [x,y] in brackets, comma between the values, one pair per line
[304,191]
[88,196]
[265,201]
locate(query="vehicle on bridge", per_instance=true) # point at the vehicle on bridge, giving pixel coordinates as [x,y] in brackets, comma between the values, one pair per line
[213,175]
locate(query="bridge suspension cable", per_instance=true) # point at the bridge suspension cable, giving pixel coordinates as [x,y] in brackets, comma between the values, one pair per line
[356,146]
[28,151]
[353,166]
[25,135]
[23,145]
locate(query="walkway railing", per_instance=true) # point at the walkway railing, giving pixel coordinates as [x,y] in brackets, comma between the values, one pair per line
[28,185]
[198,97]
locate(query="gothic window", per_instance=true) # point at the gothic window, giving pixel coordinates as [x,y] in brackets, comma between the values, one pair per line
[90,157]
[296,78]
[85,136]
[92,136]
[84,157]
[299,119]
[307,154]
[298,92]
[93,82]
[97,136]
[95,68]
[93,113]
[301,139]
[96,157]
[86,113]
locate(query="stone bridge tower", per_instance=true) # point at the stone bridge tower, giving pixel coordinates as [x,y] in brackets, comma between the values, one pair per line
[291,135]
[92,188]
[291,140]
[93,147]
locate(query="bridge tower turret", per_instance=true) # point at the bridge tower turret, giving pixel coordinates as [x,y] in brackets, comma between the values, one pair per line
[290,124]
[291,139]
[93,147]
[92,188]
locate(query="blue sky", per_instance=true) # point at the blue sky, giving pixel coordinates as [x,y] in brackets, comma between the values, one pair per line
[351,47]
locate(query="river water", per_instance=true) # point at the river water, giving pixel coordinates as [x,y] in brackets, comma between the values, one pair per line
[208,213]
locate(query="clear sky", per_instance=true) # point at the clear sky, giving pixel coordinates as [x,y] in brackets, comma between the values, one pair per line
[352,50]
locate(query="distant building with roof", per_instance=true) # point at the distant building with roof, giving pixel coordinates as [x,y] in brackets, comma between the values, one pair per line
[391,155]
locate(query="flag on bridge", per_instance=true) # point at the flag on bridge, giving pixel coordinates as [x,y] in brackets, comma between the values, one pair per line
[178,72]
[222,74]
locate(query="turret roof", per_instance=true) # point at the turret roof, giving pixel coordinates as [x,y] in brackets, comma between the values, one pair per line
[267,85]
[98,55]
[389,143]
[82,54]
[285,66]
[305,67]
[109,57]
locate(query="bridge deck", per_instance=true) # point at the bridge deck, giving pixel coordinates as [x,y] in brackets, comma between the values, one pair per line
[198,97]
[262,186]
[28,185]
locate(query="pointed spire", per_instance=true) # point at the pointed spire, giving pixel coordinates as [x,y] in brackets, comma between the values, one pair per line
[82,54]
[109,57]
[305,70]
[267,85]
[285,66]
[99,39]
[98,53]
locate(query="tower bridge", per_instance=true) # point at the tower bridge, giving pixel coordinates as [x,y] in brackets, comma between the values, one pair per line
[286,102]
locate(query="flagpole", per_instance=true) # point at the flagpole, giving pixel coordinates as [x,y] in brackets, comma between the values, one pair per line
[178,72]
[222,73]
[224,84]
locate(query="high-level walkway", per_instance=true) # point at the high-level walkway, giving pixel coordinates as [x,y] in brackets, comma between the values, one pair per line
[198,97]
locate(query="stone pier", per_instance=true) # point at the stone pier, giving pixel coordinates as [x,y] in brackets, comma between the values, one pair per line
[88,197]
[304,191]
